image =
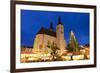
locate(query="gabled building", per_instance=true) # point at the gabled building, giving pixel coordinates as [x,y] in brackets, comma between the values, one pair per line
[48,36]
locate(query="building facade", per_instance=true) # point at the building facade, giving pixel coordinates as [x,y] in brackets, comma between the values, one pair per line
[48,36]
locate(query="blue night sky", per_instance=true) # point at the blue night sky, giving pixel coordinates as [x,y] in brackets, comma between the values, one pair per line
[32,21]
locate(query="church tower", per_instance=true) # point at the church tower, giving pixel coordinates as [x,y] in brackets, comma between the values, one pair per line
[61,43]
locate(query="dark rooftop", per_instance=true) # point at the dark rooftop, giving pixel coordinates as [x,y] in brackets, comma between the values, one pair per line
[47,32]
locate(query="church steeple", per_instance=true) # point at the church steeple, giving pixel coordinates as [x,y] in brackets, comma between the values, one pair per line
[59,20]
[61,43]
[51,26]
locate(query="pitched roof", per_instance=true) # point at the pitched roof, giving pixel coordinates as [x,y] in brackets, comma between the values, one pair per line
[47,32]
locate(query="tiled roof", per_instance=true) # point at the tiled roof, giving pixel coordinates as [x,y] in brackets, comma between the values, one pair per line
[47,32]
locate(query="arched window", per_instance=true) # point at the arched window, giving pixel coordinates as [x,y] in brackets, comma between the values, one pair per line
[57,28]
[62,27]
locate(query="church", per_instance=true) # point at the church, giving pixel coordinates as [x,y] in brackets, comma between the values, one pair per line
[48,36]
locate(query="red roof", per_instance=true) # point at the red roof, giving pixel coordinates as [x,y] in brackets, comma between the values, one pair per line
[26,52]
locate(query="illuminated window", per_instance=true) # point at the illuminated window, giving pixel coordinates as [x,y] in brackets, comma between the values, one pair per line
[62,32]
[61,27]
[57,27]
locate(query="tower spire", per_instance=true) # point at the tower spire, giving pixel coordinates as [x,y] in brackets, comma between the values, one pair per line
[51,26]
[59,20]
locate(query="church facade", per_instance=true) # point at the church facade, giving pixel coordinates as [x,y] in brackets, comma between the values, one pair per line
[48,36]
